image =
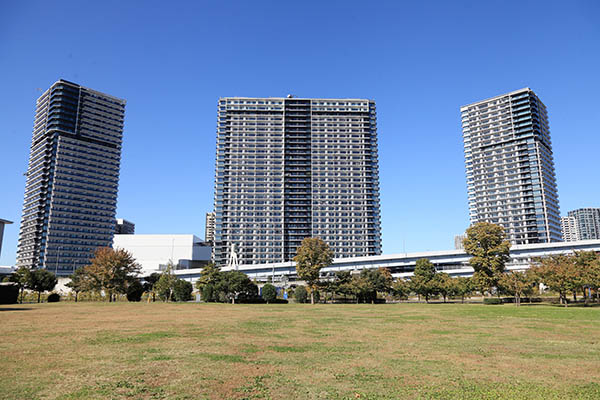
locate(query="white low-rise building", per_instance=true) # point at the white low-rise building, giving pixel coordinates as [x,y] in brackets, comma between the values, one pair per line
[154,252]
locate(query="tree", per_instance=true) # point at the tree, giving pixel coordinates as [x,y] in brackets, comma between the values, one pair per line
[112,271]
[182,290]
[80,282]
[423,279]
[135,290]
[588,273]
[300,294]
[517,284]
[558,273]
[401,289]
[149,283]
[20,277]
[166,284]
[343,283]
[206,284]
[41,280]
[313,255]
[464,287]
[444,285]
[236,285]
[269,293]
[489,251]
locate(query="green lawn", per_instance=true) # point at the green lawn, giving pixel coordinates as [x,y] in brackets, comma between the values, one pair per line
[191,351]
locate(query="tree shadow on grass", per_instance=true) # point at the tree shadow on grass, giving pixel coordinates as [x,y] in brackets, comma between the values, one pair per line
[15,309]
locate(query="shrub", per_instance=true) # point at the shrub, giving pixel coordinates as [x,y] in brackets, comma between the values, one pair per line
[182,290]
[53,298]
[208,293]
[492,300]
[9,293]
[301,294]
[269,293]
[135,291]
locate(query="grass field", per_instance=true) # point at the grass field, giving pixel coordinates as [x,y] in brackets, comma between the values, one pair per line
[191,351]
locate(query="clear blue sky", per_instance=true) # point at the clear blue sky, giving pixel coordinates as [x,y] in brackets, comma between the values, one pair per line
[420,61]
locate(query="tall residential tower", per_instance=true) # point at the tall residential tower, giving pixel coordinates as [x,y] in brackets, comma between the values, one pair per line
[510,168]
[291,168]
[581,224]
[72,178]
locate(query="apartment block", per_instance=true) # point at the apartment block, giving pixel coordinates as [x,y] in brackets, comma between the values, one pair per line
[291,168]
[510,166]
[72,178]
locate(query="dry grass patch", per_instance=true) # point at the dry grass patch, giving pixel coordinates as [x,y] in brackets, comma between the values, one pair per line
[191,351]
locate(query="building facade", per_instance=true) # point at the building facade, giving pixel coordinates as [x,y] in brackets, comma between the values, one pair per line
[2,223]
[510,167]
[581,224]
[291,168]
[570,231]
[209,230]
[72,178]
[124,227]
[155,252]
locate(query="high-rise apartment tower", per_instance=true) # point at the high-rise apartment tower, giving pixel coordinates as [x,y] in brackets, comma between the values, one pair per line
[291,168]
[209,229]
[72,178]
[124,227]
[510,168]
[581,224]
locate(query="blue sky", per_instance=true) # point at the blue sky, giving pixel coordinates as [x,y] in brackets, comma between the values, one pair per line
[420,61]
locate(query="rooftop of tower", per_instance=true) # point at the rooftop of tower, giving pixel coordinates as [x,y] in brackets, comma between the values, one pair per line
[525,89]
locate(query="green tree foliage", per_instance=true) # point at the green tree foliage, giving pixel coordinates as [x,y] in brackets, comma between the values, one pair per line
[80,282]
[423,281]
[300,294]
[206,284]
[40,280]
[489,250]
[236,285]
[444,285]
[149,283]
[20,277]
[313,255]
[464,287]
[567,274]
[135,290]
[269,293]
[401,289]
[588,272]
[558,273]
[517,284]
[182,290]
[112,271]
[165,285]
[216,285]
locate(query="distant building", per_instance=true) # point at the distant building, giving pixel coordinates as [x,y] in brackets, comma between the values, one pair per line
[510,167]
[2,223]
[209,231]
[72,178]
[581,224]
[154,252]
[292,168]
[570,232]
[124,227]
[458,242]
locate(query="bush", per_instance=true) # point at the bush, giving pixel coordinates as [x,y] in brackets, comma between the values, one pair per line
[300,294]
[492,300]
[135,291]
[53,298]
[9,293]
[269,293]
[182,290]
